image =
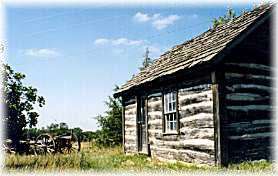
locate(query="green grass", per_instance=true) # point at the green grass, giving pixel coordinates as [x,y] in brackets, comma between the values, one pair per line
[112,159]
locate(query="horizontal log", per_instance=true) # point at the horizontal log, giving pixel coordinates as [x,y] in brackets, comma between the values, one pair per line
[198,124]
[154,103]
[236,78]
[155,122]
[195,133]
[254,87]
[155,127]
[154,117]
[152,131]
[130,128]
[246,124]
[250,107]
[199,116]
[248,129]
[261,122]
[194,99]
[193,144]
[131,118]
[194,110]
[131,121]
[154,96]
[130,106]
[195,89]
[155,106]
[206,93]
[155,113]
[194,106]
[130,112]
[131,132]
[245,97]
[249,76]
[251,136]
[183,155]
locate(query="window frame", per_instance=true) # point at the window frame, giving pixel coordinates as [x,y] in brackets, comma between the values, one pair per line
[172,112]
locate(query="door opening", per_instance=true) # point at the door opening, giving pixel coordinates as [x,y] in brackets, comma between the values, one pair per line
[142,125]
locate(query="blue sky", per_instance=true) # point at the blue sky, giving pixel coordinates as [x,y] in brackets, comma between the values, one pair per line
[75,56]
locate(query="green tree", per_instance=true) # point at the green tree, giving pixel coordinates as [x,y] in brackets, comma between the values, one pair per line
[31,133]
[19,102]
[147,60]
[58,128]
[110,133]
[230,15]
[89,135]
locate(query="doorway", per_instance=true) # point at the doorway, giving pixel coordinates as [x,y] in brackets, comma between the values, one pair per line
[142,125]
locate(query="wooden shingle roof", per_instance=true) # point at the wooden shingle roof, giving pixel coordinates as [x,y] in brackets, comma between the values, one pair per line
[197,51]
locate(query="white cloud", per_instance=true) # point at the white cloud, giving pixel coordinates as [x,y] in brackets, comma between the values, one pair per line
[144,17]
[157,20]
[41,52]
[101,41]
[118,42]
[162,23]
[156,16]
[141,17]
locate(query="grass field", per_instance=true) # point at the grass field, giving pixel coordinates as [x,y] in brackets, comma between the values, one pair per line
[110,159]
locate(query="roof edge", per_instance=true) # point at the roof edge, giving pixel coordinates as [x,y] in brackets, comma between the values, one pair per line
[222,53]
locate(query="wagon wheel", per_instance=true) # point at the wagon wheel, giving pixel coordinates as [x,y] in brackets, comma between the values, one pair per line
[68,144]
[44,144]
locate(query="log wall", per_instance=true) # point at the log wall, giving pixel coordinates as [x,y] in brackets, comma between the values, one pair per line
[130,137]
[195,142]
[247,83]
[248,109]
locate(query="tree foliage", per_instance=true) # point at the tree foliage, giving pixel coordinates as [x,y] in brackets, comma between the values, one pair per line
[230,15]
[19,102]
[110,133]
[147,60]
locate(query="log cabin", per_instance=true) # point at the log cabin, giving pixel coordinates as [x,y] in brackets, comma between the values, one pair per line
[208,100]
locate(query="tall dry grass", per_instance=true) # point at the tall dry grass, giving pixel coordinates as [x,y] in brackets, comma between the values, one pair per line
[109,159]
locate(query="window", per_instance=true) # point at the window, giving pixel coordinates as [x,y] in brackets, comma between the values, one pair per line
[170,112]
